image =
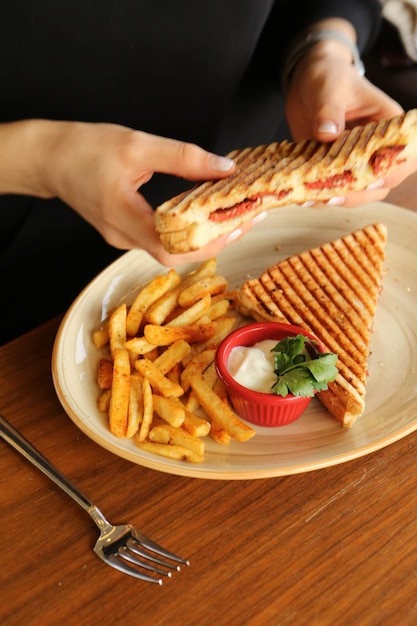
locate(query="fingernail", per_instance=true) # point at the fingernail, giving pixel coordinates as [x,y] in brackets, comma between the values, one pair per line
[308,203]
[234,235]
[327,127]
[337,200]
[223,164]
[377,184]
[259,218]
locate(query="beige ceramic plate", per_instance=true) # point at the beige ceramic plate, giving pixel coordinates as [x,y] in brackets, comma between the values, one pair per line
[316,440]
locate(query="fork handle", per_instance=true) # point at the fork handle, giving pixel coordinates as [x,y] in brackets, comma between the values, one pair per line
[22,445]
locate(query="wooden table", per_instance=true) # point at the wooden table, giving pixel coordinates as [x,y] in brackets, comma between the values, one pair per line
[331,547]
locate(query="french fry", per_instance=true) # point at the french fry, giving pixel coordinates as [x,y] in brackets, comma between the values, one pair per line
[119,401]
[158,312]
[175,452]
[139,345]
[165,335]
[220,389]
[103,401]
[157,379]
[223,326]
[171,410]
[101,337]
[197,365]
[212,285]
[218,433]
[150,293]
[218,309]
[193,313]
[210,376]
[177,437]
[162,308]
[220,411]
[174,373]
[105,373]
[172,355]
[117,329]
[205,270]
[197,426]
[135,409]
[147,410]
[192,402]
[153,354]
[231,296]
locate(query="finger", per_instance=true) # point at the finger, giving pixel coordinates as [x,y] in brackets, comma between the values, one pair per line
[170,156]
[360,198]
[394,178]
[329,119]
[335,111]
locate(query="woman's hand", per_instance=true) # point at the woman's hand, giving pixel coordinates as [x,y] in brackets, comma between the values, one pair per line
[97,170]
[327,95]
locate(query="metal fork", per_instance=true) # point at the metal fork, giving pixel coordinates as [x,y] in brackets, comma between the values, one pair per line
[122,546]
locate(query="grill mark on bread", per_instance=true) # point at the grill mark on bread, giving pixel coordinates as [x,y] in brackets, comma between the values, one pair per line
[285,173]
[291,295]
[348,285]
[329,257]
[332,290]
[266,161]
[361,251]
[333,294]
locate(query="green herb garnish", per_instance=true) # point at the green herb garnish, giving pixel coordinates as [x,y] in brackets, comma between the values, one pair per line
[301,368]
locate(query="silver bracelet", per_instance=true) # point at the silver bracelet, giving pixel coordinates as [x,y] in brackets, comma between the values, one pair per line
[300,47]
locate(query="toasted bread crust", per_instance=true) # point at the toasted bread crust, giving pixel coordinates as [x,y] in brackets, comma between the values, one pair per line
[286,173]
[331,291]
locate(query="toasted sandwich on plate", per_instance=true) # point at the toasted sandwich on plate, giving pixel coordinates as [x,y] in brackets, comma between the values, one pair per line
[332,291]
[285,173]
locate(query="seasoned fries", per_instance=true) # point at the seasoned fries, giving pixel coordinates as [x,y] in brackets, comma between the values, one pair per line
[161,383]
[166,335]
[220,411]
[120,393]
[159,369]
[117,329]
[146,297]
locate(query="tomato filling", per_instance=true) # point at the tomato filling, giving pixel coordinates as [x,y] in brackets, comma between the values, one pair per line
[247,205]
[332,182]
[384,158]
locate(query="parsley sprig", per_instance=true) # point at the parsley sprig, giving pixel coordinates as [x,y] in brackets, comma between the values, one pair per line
[301,368]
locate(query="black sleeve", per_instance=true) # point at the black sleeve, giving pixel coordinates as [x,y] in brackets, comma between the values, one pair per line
[365,16]
[288,18]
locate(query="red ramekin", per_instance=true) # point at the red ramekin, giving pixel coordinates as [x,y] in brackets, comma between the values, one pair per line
[263,409]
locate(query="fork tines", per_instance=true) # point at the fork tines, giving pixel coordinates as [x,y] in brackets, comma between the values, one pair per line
[139,551]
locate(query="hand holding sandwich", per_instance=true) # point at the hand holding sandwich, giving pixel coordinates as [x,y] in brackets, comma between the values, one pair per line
[97,169]
[326,95]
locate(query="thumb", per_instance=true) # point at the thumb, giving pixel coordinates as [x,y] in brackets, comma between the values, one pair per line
[328,120]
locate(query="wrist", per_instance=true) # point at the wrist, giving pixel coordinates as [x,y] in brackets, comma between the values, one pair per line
[321,42]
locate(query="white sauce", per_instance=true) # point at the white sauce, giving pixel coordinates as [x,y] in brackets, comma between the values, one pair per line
[253,367]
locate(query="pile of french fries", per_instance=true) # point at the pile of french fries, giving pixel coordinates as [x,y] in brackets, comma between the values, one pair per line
[160,367]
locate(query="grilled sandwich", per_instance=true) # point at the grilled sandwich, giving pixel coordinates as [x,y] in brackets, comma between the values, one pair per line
[332,291]
[285,173]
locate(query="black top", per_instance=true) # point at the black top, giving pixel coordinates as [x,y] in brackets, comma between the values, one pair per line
[206,72]
[169,67]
